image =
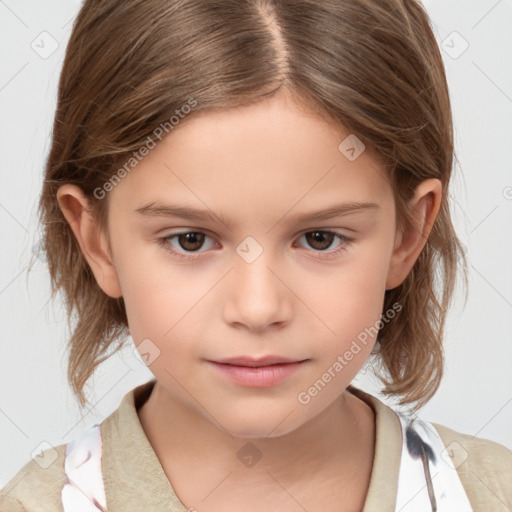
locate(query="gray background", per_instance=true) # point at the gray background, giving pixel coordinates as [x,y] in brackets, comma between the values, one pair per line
[36,404]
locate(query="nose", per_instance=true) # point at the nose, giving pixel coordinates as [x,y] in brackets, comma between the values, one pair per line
[258,296]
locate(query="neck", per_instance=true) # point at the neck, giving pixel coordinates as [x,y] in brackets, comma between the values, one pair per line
[335,446]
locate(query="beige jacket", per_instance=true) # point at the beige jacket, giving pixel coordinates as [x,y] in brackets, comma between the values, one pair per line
[134,480]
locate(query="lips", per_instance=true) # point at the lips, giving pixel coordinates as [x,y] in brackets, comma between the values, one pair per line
[253,372]
[257,361]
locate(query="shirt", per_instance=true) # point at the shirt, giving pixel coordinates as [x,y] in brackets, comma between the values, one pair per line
[134,479]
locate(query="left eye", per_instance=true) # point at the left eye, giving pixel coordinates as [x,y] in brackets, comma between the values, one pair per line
[319,237]
[191,241]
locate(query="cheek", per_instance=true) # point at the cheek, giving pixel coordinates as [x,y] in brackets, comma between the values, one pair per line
[148,314]
[156,292]
[347,307]
[161,324]
[158,309]
[346,297]
[163,303]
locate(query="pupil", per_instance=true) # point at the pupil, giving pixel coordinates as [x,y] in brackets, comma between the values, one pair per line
[318,236]
[191,238]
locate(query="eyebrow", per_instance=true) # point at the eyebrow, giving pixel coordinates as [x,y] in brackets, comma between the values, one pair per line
[156,209]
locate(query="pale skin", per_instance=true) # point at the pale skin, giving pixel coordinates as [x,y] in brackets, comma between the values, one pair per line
[258,167]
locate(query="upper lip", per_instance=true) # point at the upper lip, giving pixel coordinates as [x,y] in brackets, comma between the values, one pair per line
[257,361]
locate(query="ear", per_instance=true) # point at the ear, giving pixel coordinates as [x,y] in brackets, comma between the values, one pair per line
[424,206]
[92,241]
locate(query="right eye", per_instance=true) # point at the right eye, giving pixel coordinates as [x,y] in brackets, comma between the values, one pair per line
[189,241]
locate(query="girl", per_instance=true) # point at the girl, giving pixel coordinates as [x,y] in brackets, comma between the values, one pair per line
[256,192]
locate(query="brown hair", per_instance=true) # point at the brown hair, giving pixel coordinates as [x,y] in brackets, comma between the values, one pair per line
[371,66]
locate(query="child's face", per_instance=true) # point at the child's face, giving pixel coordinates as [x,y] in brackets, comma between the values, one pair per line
[253,284]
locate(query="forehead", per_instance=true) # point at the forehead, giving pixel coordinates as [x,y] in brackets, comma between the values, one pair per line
[272,153]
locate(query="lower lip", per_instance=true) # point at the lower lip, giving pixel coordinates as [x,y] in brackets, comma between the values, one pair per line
[257,376]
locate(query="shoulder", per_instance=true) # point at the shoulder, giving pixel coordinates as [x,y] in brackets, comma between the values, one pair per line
[38,484]
[484,468]
[482,454]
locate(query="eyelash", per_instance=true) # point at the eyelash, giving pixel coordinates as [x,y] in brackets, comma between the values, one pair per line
[166,245]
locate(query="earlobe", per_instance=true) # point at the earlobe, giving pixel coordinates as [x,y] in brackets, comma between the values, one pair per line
[425,207]
[91,239]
